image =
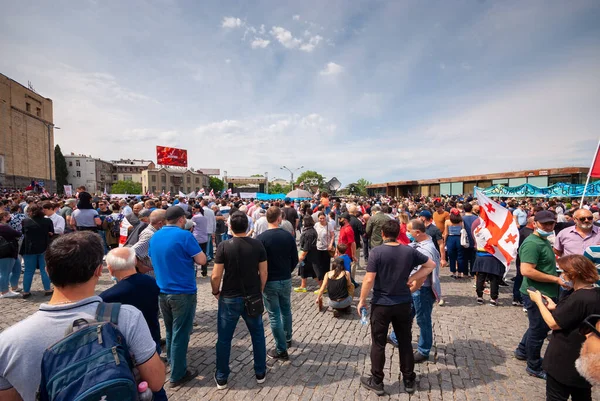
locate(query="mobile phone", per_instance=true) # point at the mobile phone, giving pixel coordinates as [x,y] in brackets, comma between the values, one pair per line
[532,289]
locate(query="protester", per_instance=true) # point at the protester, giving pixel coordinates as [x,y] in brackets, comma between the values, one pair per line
[156,220]
[134,234]
[291,214]
[200,232]
[387,274]
[171,247]
[57,221]
[282,258]
[346,236]
[85,218]
[210,228]
[308,258]
[338,284]
[37,231]
[564,319]
[469,252]
[74,266]
[452,233]
[374,226]
[574,240]
[241,263]
[9,247]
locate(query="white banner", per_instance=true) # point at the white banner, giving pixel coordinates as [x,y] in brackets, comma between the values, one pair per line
[68,190]
[247,195]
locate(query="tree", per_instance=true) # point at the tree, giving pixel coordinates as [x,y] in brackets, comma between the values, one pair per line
[216,184]
[359,187]
[310,179]
[60,170]
[257,175]
[127,187]
[278,189]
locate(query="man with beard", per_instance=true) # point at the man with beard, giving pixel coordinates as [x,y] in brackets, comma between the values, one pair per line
[574,240]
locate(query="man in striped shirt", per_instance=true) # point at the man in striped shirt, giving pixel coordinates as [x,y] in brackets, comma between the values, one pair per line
[157,221]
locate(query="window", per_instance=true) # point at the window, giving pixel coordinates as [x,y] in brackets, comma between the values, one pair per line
[38,112]
[28,107]
[153,178]
[115,178]
[163,178]
[188,179]
[197,180]
[70,164]
[78,173]
[127,178]
[77,163]
[153,189]
[189,189]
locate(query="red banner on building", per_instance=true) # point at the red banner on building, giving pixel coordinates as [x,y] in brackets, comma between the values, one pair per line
[171,156]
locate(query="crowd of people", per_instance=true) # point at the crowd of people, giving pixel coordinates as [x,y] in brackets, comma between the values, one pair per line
[155,249]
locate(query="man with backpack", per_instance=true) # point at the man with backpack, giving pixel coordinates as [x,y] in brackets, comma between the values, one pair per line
[74,265]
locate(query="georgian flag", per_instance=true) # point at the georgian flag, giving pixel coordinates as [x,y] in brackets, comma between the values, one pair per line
[201,192]
[317,194]
[229,191]
[497,233]
[191,194]
[181,194]
[212,194]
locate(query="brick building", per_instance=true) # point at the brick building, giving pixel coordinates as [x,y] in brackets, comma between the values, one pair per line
[26,136]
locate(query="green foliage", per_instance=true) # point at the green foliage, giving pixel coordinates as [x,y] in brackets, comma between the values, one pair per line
[279,189]
[127,187]
[358,188]
[60,167]
[216,184]
[257,175]
[310,179]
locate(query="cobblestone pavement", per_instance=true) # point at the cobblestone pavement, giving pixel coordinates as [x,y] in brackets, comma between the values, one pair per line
[471,356]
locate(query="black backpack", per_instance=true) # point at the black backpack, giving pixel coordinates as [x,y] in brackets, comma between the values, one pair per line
[7,248]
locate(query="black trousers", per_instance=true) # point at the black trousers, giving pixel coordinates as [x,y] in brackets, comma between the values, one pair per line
[204,268]
[556,391]
[400,317]
[469,255]
[494,284]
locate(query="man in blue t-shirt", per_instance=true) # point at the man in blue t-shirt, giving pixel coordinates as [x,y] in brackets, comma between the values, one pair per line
[173,252]
[388,271]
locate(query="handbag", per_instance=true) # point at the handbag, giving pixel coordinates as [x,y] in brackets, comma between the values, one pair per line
[464,238]
[253,304]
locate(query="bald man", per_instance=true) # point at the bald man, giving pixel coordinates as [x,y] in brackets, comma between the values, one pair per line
[575,239]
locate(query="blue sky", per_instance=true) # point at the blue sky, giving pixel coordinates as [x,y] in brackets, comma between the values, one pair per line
[385,90]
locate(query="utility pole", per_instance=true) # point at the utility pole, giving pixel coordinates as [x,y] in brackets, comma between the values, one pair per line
[266,181]
[291,174]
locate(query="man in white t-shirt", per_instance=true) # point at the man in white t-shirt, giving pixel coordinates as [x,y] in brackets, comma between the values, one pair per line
[74,264]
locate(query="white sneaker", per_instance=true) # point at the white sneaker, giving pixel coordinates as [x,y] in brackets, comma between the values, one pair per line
[10,294]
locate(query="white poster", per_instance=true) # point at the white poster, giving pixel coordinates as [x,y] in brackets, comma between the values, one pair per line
[68,190]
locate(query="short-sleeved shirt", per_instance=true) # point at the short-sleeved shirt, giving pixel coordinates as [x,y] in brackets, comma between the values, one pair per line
[291,215]
[23,344]
[85,217]
[240,257]
[521,216]
[347,237]
[200,228]
[393,265]
[324,236]
[127,292]
[435,234]
[282,254]
[569,242]
[538,252]
[565,343]
[172,251]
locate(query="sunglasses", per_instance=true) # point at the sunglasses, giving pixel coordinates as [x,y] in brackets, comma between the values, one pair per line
[588,218]
[589,325]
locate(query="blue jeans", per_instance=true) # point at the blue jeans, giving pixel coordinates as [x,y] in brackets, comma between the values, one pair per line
[209,249]
[178,312]
[33,262]
[15,273]
[455,254]
[423,300]
[228,314]
[344,303]
[278,304]
[393,337]
[6,265]
[103,235]
[533,339]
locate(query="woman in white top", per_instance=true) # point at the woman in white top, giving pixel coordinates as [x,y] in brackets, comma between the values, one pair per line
[325,238]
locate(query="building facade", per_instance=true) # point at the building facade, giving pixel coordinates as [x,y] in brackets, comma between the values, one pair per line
[131,169]
[26,137]
[173,180]
[467,184]
[95,174]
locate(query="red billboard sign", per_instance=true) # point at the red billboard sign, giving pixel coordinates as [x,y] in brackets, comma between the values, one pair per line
[171,156]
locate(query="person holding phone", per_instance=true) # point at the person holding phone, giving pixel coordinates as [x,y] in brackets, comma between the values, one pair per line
[562,378]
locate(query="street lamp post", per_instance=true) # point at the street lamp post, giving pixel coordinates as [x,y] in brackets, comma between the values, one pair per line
[291,174]
[266,182]
[50,156]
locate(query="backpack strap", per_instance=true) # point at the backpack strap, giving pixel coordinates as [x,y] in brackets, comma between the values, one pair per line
[108,312]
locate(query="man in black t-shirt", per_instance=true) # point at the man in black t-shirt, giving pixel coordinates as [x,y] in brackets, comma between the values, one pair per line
[388,271]
[291,214]
[282,257]
[241,263]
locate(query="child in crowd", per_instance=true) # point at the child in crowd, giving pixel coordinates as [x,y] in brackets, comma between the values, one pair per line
[341,253]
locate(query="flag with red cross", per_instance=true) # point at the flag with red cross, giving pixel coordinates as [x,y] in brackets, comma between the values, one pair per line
[497,233]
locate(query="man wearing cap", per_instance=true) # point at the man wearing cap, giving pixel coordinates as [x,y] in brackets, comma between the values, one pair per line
[173,252]
[575,239]
[374,226]
[435,234]
[538,267]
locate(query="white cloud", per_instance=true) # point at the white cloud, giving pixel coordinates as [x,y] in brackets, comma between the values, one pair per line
[285,37]
[296,17]
[259,43]
[332,69]
[312,43]
[228,61]
[231,22]
[262,29]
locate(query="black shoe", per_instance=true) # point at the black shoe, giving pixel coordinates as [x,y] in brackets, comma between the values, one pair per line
[409,385]
[189,375]
[519,356]
[503,283]
[336,313]
[390,341]
[260,379]
[369,383]
[221,384]
[420,357]
[282,356]
[26,295]
[289,344]
[480,301]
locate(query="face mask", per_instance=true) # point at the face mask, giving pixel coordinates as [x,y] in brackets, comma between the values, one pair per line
[113,278]
[565,282]
[410,237]
[543,233]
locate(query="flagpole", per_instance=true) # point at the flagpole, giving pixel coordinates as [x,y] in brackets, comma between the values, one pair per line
[587,181]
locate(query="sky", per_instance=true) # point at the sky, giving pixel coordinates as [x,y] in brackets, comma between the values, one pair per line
[381,90]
